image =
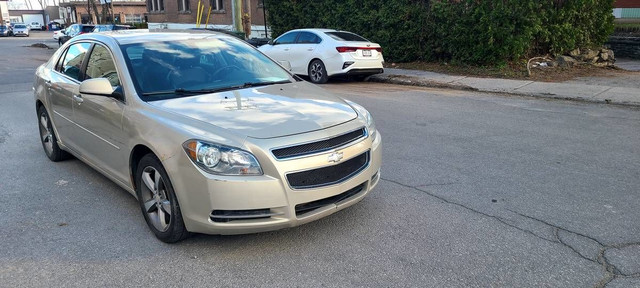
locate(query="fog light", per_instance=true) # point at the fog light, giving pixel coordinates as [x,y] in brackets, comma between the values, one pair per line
[347,64]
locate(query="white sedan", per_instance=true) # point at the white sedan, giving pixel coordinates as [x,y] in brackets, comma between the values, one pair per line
[323,53]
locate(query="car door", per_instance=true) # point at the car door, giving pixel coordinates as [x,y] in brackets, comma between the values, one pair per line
[99,118]
[62,84]
[303,51]
[280,49]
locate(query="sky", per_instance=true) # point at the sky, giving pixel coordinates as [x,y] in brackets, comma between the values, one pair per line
[21,4]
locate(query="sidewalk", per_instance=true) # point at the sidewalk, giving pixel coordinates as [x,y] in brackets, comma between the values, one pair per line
[570,91]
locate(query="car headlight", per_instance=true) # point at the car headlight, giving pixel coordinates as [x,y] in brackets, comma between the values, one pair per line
[371,125]
[222,160]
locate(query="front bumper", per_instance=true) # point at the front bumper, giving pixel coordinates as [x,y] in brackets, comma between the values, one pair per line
[269,195]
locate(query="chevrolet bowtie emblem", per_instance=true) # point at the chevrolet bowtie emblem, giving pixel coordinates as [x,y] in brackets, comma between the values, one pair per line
[335,157]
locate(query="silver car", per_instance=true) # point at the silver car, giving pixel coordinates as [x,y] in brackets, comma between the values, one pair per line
[210,135]
[20,29]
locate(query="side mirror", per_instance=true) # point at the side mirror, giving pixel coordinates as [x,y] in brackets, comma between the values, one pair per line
[97,86]
[285,64]
[271,42]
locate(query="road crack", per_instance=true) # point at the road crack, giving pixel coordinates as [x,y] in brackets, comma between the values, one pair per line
[610,271]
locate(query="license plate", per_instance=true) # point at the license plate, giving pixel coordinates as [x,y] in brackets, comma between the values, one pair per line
[366,53]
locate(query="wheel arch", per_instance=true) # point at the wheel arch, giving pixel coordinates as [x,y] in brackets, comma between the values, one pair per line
[136,154]
[311,61]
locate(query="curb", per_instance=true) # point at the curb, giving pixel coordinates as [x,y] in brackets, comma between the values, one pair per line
[420,82]
[417,81]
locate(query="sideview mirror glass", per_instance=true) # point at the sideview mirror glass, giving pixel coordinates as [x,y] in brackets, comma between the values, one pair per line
[271,42]
[97,86]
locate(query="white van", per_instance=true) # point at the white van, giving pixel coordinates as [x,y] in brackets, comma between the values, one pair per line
[35,26]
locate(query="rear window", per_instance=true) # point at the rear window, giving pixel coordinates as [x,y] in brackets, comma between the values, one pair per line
[87,29]
[21,26]
[346,36]
[2,27]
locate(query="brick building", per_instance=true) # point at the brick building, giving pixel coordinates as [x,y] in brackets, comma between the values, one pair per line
[627,9]
[182,14]
[124,11]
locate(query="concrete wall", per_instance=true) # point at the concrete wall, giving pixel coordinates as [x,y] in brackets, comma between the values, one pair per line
[625,47]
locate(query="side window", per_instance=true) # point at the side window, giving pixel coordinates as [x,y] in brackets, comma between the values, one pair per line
[101,65]
[308,37]
[72,62]
[288,38]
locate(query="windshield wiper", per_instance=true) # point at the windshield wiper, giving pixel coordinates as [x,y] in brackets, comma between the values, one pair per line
[182,91]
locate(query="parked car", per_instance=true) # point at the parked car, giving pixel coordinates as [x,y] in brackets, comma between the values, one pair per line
[323,53]
[110,27]
[57,34]
[210,135]
[35,26]
[20,29]
[73,31]
[257,42]
[5,31]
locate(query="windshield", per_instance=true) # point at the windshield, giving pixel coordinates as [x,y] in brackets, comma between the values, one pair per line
[346,36]
[181,68]
[2,27]
[21,26]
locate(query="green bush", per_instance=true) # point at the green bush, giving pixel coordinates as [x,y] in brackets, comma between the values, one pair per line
[480,32]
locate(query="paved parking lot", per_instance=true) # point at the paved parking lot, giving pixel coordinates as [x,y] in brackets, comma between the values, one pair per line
[478,190]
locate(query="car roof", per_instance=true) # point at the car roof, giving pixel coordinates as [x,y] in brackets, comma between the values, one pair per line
[124,37]
[315,30]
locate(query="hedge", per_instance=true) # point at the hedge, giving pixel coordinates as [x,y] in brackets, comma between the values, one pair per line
[480,32]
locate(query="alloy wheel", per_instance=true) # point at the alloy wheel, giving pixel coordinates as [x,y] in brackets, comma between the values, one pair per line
[316,72]
[154,196]
[45,133]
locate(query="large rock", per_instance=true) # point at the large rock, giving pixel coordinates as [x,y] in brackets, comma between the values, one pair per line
[588,54]
[566,61]
[575,52]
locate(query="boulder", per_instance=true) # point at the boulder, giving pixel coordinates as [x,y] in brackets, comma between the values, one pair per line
[566,61]
[574,52]
[587,55]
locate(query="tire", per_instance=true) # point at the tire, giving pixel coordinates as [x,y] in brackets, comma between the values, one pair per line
[158,201]
[48,137]
[317,72]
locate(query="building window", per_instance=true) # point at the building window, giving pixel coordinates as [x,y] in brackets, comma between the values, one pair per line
[133,18]
[155,5]
[216,5]
[183,5]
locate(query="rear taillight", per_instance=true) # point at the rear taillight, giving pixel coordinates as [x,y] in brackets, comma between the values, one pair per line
[346,49]
[354,49]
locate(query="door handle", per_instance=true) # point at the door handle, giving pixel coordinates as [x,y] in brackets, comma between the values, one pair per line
[309,49]
[286,49]
[78,98]
[48,84]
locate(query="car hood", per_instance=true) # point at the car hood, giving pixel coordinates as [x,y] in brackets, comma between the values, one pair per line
[265,112]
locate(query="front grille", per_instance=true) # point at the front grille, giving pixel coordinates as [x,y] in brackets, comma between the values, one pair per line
[320,146]
[310,206]
[329,175]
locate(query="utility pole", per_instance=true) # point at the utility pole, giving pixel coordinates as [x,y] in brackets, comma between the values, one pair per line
[236,10]
[264,14]
[88,11]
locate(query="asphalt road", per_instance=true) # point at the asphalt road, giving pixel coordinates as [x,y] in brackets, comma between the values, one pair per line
[478,190]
